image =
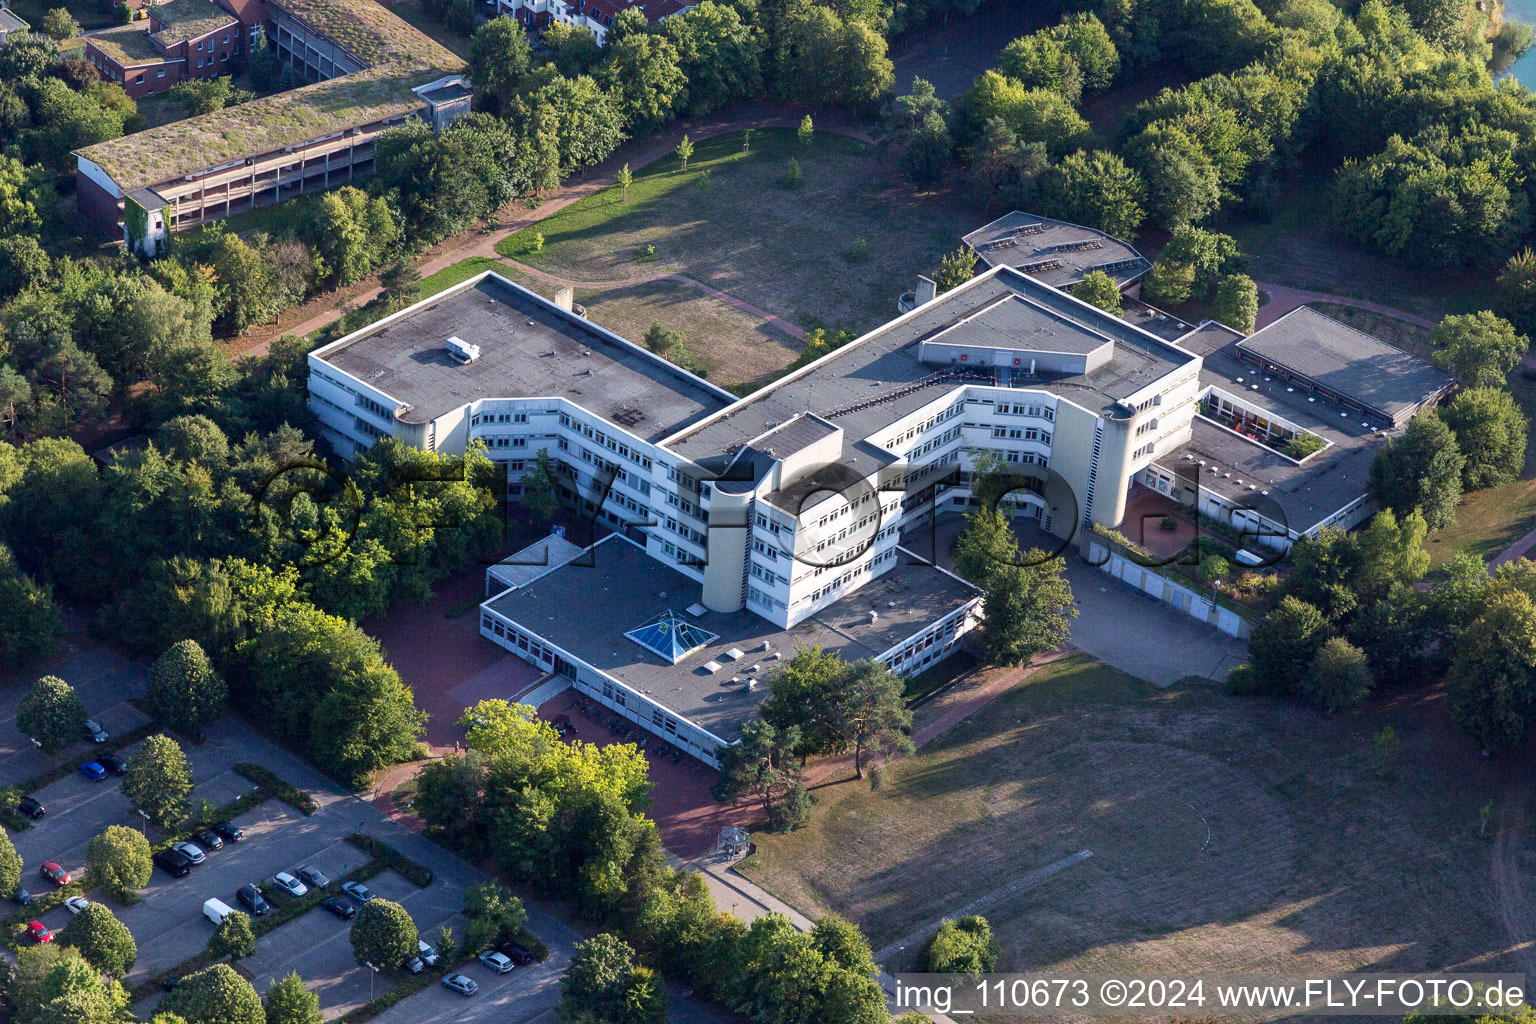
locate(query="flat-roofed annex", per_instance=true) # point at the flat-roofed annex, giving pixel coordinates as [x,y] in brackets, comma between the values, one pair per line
[587,606]
[529,348]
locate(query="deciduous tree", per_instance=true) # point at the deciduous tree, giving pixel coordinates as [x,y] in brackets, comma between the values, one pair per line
[1095,189]
[1338,678]
[964,946]
[1284,644]
[185,692]
[233,936]
[118,861]
[102,939]
[216,995]
[1420,470]
[1480,348]
[289,1002]
[383,934]
[52,714]
[158,781]
[1237,302]
[955,269]
[1490,431]
[1099,289]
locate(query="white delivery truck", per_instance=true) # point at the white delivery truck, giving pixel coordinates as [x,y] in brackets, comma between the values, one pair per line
[216,911]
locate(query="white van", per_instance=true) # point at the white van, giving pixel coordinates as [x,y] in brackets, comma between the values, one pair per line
[216,911]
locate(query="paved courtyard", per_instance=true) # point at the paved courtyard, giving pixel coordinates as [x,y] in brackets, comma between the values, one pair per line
[1116,623]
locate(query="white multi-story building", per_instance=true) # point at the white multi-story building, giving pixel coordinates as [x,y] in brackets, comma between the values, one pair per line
[777,519]
[593,15]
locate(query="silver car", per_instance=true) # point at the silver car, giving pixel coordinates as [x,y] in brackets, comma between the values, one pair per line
[426,952]
[460,984]
[96,732]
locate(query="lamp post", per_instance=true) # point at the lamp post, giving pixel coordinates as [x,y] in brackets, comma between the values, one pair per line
[373,972]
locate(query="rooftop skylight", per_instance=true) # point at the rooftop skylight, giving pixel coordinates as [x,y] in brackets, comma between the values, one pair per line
[671,636]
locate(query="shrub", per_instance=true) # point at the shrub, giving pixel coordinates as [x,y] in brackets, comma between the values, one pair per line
[966,946]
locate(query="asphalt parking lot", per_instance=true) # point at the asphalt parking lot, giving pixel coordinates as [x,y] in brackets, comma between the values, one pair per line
[168,923]
[104,683]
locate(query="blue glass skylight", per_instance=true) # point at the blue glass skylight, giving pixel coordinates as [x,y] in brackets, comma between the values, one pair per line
[671,636]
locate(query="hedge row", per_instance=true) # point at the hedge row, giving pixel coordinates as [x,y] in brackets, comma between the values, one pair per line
[286,908]
[277,788]
[417,874]
[16,822]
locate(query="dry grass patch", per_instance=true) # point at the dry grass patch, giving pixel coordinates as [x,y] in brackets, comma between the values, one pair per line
[1314,862]
[783,250]
[734,347]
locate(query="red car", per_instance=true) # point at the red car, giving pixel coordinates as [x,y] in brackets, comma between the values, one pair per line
[39,932]
[55,874]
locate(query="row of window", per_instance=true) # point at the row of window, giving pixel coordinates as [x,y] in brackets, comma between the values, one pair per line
[498,417]
[937,418]
[942,636]
[622,448]
[530,648]
[1041,411]
[852,574]
[1022,434]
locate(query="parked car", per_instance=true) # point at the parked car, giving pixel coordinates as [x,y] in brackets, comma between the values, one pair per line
[75,904]
[426,952]
[413,965]
[113,764]
[495,961]
[170,984]
[458,983]
[31,807]
[516,953]
[55,874]
[96,732]
[191,852]
[251,899]
[93,771]
[22,897]
[38,932]
[173,862]
[208,839]
[292,886]
[229,833]
[314,876]
[358,891]
[216,910]
[340,907]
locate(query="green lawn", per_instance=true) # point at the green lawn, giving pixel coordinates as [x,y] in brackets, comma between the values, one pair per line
[1226,833]
[460,271]
[781,249]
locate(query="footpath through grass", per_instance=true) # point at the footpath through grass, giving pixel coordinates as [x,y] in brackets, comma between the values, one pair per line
[732,221]
[1226,832]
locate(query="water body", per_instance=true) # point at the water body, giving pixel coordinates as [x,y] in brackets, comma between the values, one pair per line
[1525,68]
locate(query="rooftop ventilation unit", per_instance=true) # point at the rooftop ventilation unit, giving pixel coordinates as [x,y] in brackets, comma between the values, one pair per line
[462,351]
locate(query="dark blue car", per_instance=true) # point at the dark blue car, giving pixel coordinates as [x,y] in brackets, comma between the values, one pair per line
[93,771]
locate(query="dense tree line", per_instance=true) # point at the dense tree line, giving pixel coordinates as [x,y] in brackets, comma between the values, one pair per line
[570,819]
[1397,98]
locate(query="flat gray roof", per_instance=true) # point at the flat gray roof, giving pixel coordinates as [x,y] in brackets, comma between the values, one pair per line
[866,384]
[586,607]
[529,348]
[1241,470]
[1349,362]
[1073,249]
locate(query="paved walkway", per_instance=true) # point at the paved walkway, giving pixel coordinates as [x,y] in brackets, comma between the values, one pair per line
[976,906]
[1283,299]
[477,241]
